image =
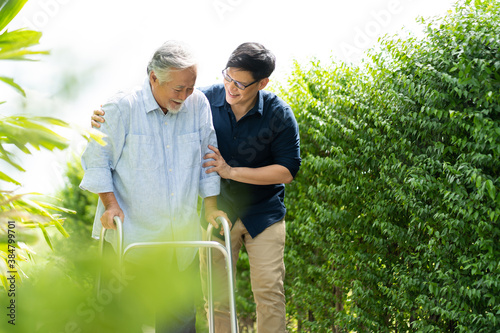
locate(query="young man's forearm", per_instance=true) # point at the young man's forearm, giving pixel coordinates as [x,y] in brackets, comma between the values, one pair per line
[268,175]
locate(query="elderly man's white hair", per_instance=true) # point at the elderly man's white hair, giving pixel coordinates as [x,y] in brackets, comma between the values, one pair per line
[172,55]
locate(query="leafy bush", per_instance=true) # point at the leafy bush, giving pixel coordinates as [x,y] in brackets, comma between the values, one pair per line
[84,203]
[394,215]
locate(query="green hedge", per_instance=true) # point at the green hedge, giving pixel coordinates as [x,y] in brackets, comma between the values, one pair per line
[394,217]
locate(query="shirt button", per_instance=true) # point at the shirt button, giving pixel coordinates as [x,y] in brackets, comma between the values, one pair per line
[166,123]
[169,170]
[168,146]
[172,194]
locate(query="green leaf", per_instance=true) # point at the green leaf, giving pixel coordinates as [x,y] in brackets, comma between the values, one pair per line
[8,10]
[93,134]
[45,235]
[491,189]
[20,55]
[60,228]
[56,208]
[19,39]
[22,131]
[11,82]
[51,121]
[6,156]
[8,179]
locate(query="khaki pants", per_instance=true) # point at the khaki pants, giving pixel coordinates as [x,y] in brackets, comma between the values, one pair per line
[267,272]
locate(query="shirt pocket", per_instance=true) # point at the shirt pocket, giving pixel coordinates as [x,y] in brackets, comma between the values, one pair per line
[189,150]
[142,152]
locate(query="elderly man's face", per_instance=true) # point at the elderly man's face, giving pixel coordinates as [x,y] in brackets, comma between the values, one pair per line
[170,95]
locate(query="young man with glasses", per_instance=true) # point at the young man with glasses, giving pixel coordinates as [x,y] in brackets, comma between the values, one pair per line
[258,152]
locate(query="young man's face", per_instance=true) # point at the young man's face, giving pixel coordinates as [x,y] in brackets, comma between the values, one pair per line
[236,96]
[170,95]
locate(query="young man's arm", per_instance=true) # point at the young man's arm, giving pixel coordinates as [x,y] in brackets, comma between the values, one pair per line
[209,183]
[267,175]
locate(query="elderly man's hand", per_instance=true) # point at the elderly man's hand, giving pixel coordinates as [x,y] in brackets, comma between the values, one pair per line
[212,213]
[107,219]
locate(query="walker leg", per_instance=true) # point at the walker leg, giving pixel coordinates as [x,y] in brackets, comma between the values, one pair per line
[229,270]
[211,316]
[119,250]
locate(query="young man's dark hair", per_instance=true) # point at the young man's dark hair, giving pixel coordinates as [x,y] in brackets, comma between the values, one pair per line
[254,58]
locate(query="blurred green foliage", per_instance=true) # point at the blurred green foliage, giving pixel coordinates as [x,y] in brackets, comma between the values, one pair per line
[19,135]
[83,203]
[394,217]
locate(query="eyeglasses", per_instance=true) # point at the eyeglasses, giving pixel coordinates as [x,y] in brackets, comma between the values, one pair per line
[238,84]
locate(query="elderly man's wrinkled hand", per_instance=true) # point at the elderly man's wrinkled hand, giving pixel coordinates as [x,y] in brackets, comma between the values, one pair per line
[107,219]
[211,216]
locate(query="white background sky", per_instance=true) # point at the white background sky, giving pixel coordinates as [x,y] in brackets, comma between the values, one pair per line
[102,46]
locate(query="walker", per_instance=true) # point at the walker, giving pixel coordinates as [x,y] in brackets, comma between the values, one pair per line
[226,251]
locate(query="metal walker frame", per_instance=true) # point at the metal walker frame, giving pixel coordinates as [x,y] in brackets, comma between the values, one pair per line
[209,244]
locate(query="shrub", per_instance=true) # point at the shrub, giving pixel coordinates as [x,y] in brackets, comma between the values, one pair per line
[394,215]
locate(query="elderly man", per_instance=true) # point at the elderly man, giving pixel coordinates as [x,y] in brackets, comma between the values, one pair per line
[259,152]
[150,171]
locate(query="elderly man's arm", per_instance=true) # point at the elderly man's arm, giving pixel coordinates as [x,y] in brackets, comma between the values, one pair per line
[112,209]
[212,212]
[98,162]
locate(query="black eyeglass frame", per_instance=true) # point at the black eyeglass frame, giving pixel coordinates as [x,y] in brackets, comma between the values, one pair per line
[238,84]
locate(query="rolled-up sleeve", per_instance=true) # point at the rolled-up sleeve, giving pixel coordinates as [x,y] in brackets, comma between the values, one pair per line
[286,146]
[99,161]
[209,183]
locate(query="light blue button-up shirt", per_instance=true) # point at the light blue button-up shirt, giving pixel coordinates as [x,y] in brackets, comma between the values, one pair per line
[153,164]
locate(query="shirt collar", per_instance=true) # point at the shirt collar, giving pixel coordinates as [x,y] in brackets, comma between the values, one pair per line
[260,103]
[220,99]
[149,100]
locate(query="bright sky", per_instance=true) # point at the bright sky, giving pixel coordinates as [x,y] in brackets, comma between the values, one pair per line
[102,46]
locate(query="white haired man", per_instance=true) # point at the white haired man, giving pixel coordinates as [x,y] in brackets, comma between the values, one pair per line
[150,171]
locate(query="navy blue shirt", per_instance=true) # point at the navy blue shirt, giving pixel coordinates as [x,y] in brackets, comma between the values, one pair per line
[268,134]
